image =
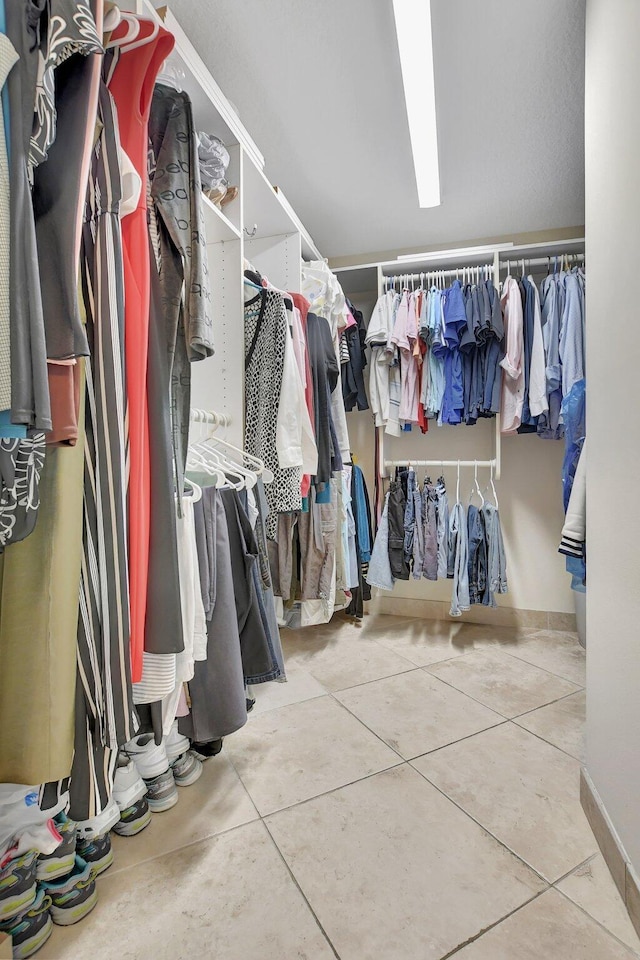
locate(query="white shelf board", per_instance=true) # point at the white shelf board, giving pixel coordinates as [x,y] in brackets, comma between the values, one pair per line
[217,226]
[262,206]
[309,249]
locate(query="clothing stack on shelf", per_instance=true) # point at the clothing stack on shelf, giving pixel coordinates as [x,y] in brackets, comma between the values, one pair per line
[135,594]
[545,349]
[295,421]
[421,536]
[435,354]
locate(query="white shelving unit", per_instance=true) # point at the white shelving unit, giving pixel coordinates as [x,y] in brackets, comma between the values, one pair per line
[259,225]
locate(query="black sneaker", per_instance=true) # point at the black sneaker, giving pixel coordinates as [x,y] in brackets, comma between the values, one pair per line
[18,885]
[32,929]
[205,750]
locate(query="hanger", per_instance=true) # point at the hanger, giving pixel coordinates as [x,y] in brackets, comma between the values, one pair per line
[476,488]
[132,40]
[133,29]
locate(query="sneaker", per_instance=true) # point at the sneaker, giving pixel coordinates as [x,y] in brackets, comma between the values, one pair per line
[61,861]
[186,769]
[99,825]
[128,785]
[149,757]
[162,793]
[133,819]
[205,750]
[175,744]
[97,852]
[31,929]
[73,897]
[18,885]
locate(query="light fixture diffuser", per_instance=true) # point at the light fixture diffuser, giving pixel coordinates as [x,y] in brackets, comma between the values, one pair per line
[413,29]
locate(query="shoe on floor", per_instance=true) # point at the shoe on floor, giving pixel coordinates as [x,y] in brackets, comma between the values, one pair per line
[61,861]
[149,757]
[128,785]
[133,819]
[32,929]
[100,824]
[186,769]
[73,897]
[204,750]
[18,885]
[97,852]
[162,793]
[175,744]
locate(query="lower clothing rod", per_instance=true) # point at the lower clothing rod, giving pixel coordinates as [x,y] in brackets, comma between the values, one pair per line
[439,463]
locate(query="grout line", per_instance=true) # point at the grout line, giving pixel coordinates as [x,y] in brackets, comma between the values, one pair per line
[491,926]
[412,668]
[301,891]
[551,673]
[326,793]
[565,696]
[429,753]
[533,869]
[549,743]
[578,866]
[595,920]
[471,697]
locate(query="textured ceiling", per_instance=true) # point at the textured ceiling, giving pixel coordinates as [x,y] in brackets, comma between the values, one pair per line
[318,85]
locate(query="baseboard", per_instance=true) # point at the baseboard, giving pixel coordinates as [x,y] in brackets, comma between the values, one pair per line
[499,616]
[624,876]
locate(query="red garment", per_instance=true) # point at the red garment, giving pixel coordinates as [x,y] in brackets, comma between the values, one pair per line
[131,85]
[423,423]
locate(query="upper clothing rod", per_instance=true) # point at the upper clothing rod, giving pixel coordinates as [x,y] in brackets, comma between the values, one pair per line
[541,261]
[424,274]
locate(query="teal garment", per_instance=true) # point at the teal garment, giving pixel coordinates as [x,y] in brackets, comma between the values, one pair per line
[16,431]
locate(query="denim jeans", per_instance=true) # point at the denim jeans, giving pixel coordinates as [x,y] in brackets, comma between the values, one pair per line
[496,557]
[397,503]
[410,515]
[477,554]
[379,573]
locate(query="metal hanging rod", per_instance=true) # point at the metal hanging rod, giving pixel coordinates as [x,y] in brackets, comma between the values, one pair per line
[541,261]
[440,463]
[425,274]
[209,416]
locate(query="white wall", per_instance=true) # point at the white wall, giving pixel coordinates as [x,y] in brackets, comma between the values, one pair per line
[530,496]
[613,357]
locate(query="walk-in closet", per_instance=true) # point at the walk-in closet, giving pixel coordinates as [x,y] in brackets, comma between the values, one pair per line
[318,613]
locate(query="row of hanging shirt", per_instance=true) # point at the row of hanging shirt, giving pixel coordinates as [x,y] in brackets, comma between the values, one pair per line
[436,350]
[545,347]
[421,536]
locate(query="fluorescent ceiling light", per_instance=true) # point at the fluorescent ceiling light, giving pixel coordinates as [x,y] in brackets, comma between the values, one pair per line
[413,29]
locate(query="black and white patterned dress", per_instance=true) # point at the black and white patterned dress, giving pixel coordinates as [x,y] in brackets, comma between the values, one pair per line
[265,340]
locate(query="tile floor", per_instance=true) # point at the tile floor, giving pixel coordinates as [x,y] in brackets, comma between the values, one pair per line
[411,793]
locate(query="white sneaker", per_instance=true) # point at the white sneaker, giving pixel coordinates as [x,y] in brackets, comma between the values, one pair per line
[175,744]
[97,826]
[149,757]
[128,785]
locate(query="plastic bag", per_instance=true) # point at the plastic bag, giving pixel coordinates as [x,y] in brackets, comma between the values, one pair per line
[214,159]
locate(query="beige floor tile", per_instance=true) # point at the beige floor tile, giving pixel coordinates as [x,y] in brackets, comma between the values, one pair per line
[550,928]
[429,641]
[216,802]
[296,752]
[394,871]
[230,898]
[592,888]
[347,656]
[556,651]
[415,712]
[505,684]
[560,723]
[299,686]
[524,791]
